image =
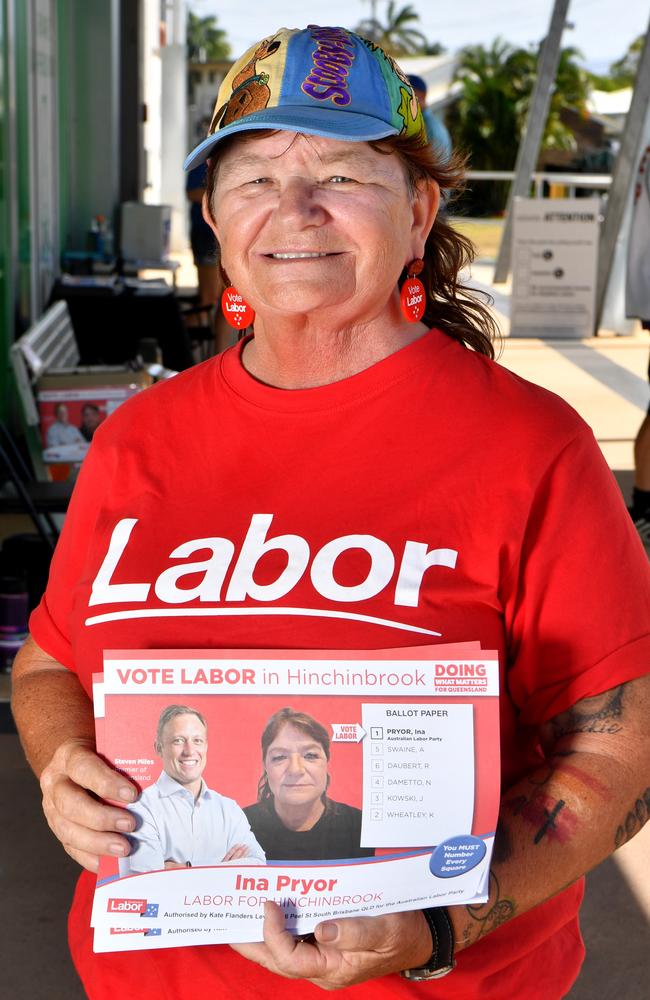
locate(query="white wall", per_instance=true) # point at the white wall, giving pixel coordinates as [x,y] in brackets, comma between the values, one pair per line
[165,95]
[44,151]
[152,96]
[174,132]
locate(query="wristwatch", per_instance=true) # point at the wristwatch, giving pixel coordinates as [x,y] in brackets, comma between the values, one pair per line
[441,962]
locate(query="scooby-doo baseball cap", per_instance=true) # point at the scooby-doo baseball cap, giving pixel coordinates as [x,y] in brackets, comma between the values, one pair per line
[320,81]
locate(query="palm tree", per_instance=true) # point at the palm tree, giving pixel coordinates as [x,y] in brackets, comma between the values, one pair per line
[205,41]
[488,119]
[397,36]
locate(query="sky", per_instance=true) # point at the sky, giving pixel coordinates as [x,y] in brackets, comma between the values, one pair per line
[602,30]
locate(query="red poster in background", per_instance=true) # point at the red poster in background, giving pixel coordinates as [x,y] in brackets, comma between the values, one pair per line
[70,416]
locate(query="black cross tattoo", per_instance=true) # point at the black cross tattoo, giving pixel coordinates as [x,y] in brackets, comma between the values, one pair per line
[549,822]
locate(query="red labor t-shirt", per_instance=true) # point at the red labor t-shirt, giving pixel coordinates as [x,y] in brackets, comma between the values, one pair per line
[433,497]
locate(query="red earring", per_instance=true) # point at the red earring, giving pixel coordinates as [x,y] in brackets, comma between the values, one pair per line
[236,309]
[413,297]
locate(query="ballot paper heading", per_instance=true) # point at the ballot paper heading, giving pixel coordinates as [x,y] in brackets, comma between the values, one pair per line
[277,676]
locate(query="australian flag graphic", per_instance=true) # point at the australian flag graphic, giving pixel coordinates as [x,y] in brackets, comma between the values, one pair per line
[153,932]
[151,910]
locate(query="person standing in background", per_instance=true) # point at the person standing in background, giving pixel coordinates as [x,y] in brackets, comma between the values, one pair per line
[637,304]
[436,131]
[207,256]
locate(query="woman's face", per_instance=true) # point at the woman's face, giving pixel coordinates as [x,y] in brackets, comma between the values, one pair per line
[307,223]
[296,767]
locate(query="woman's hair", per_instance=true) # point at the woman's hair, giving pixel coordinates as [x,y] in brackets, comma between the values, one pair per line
[460,312]
[300,720]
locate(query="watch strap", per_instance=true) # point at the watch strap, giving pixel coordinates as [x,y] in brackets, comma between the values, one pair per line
[442,957]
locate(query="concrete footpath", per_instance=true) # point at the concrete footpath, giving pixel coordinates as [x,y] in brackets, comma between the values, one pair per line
[605,380]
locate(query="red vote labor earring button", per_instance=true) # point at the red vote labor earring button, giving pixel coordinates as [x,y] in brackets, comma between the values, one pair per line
[413,299]
[236,309]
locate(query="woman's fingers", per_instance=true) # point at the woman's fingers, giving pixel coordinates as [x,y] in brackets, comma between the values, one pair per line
[281,952]
[346,951]
[352,934]
[86,827]
[88,861]
[83,766]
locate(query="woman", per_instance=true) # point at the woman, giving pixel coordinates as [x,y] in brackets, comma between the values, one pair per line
[294,819]
[353,477]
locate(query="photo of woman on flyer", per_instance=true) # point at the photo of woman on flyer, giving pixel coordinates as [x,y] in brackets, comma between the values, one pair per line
[294,819]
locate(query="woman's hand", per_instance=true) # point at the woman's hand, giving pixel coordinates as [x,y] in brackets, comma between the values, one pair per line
[72,783]
[344,952]
[54,716]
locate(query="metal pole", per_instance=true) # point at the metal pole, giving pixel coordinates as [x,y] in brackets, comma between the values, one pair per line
[623,177]
[531,139]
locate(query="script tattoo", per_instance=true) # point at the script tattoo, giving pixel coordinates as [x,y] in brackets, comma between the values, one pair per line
[601,714]
[486,917]
[636,818]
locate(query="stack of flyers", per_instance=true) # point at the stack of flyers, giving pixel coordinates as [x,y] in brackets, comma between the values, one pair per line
[335,783]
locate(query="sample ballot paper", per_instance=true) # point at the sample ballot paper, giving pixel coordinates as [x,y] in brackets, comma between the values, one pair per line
[392,754]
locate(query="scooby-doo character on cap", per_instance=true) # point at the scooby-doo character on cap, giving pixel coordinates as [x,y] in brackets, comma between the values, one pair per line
[250,90]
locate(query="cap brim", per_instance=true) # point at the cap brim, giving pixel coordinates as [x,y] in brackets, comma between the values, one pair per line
[346,125]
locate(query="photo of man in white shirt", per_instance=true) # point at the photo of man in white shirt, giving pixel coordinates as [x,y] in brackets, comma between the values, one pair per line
[181,822]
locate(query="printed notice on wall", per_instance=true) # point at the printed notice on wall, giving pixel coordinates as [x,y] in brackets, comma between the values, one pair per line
[554,266]
[334,783]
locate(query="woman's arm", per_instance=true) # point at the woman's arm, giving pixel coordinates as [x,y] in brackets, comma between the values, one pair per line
[54,718]
[590,796]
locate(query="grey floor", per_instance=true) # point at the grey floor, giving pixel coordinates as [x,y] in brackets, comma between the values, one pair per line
[37,878]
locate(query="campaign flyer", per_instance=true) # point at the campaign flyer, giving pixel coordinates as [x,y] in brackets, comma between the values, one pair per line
[336,783]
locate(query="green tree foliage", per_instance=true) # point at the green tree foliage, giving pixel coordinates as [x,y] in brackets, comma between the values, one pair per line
[399,35]
[623,71]
[433,49]
[205,41]
[497,85]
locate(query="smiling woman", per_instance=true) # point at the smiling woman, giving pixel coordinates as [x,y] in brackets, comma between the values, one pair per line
[321,238]
[360,213]
[356,474]
[294,819]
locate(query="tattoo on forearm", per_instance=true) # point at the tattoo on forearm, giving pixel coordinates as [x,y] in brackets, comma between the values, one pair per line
[549,816]
[557,762]
[601,714]
[636,818]
[502,850]
[570,775]
[486,917]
